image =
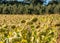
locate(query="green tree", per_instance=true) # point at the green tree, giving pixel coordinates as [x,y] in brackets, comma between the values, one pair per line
[57,9]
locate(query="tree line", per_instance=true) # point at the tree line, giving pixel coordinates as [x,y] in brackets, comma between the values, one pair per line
[35,7]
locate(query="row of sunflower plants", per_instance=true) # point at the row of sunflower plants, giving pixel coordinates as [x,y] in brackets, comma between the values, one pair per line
[28,35]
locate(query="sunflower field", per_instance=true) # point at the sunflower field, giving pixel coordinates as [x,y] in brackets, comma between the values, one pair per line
[29,29]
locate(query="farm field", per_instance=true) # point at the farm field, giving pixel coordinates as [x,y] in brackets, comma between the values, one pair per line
[30,28]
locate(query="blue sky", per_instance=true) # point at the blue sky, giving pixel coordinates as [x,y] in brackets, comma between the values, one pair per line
[47,1]
[20,0]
